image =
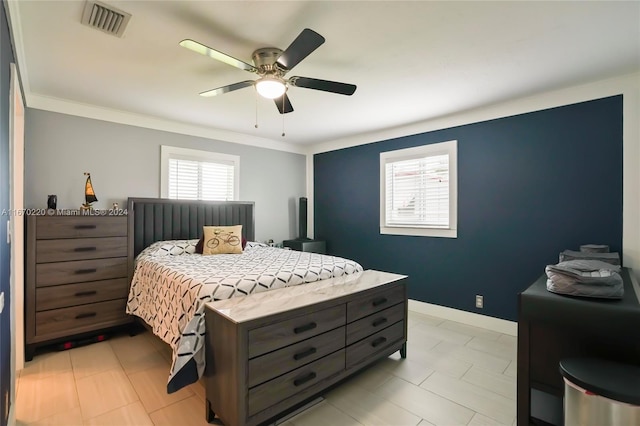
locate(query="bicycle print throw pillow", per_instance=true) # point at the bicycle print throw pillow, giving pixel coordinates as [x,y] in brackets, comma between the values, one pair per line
[222,240]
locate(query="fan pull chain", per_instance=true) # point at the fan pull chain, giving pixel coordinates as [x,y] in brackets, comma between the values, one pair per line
[283,116]
[256,125]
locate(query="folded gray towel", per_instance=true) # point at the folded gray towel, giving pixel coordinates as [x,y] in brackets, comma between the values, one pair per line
[613,258]
[594,248]
[587,278]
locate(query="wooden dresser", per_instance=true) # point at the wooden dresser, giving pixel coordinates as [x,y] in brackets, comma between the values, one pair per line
[268,352]
[76,277]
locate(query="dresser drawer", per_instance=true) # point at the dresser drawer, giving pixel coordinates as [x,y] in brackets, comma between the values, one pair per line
[374,302]
[275,363]
[283,333]
[278,389]
[366,326]
[62,296]
[79,271]
[371,345]
[52,227]
[78,319]
[80,248]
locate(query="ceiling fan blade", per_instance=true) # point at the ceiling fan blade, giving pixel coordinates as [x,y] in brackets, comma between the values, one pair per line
[324,85]
[212,53]
[283,104]
[306,42]
[226,89]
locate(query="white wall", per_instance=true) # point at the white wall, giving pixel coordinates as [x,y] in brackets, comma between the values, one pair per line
[627,85]
[124,161]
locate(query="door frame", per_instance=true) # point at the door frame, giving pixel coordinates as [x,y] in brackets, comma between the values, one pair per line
[16,228]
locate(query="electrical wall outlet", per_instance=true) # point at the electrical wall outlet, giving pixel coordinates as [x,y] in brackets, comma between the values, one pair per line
[479,301]
[1,302]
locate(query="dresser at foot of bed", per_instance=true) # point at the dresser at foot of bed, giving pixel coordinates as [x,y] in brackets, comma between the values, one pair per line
[269,352]
[76,277]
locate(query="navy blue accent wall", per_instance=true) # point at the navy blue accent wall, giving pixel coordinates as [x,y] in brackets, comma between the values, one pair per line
[6,57]
[529,186]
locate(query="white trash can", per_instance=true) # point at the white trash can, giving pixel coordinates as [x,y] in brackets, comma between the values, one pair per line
[599,393]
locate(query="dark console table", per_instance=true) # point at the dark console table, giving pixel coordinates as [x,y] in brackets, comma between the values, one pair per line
[314,246]
[552,327]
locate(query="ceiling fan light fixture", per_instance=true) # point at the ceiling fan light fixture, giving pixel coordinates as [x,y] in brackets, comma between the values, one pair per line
[271,87]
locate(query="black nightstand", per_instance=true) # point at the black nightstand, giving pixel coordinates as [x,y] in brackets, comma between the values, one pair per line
[315,246]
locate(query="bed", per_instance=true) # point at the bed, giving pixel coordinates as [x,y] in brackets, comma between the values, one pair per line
[171,284]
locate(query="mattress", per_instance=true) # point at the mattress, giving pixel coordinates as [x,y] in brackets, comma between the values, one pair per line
[172,283]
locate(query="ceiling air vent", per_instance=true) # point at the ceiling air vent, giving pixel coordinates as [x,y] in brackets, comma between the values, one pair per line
[105,18]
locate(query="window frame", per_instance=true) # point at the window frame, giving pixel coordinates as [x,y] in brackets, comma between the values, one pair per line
[450,148]
[173,152]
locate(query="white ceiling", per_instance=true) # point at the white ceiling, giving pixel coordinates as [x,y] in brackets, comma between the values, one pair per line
[412,61]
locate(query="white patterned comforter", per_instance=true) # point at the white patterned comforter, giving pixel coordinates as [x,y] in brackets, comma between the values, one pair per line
[171,285]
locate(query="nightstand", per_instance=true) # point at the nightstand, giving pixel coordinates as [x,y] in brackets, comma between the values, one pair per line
[315,246]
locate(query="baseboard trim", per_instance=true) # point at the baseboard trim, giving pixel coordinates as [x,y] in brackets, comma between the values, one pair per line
[12,412]
[469,318]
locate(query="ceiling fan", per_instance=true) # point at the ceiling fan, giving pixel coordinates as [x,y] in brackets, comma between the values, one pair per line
[272,64]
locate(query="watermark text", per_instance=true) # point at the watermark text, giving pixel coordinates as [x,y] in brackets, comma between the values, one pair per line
[62,212]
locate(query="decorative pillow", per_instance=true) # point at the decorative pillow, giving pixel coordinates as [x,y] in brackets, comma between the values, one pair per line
[171,248]
[200,245]
[222,240]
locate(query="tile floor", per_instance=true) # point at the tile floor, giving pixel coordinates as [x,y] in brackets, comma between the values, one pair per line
[454,374]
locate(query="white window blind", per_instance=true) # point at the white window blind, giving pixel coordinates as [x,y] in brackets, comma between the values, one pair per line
[417,192]
[198,175]
[199,180]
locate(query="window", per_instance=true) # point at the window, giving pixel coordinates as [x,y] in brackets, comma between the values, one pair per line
[191,174]
[418,191]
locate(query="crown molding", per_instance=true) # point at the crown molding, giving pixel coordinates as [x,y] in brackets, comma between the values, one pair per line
[63,106]
[550,99]
[13,18]
[123,117]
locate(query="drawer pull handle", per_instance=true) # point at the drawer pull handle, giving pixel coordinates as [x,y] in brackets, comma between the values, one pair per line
[379,301]
[305,327]
[85,249]
[86,315]
[304,354]
[85,227]
[304,379]
[86,293]
[86,271]
[379,321]
[378,341]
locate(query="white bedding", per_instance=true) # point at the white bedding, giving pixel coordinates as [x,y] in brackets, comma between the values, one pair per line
[171,285]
